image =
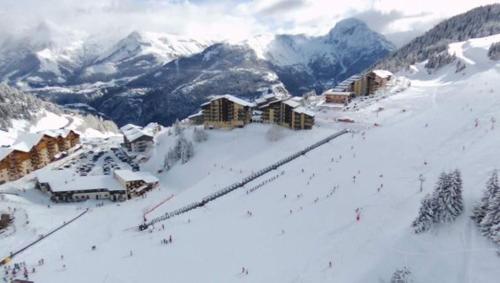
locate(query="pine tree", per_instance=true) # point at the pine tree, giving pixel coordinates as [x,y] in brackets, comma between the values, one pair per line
[492,188]
[489,224]
[199,135]
[425,216]
[448,196]
[401,276]
[177,127]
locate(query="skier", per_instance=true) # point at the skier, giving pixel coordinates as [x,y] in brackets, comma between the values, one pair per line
[330,264]
[131,254]
[170,239]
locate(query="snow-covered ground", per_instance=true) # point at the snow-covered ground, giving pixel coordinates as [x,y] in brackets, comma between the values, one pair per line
[428,128]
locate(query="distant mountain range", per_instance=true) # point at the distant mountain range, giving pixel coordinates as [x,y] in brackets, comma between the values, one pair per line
[159,77]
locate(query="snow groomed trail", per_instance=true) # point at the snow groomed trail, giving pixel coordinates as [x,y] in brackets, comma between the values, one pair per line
[238,185]
[43,236]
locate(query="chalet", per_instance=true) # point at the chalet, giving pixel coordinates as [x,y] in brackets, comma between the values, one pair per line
[72,138]
[288,113]
[36,146]
[135,183]
[136,138]
[226,111]
[32,151]
[4,164]
[19,163]
[337,97]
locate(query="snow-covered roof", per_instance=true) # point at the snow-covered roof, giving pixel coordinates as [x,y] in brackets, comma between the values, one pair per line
[87,183]
[199,113]
[65,182]
[303,110]
[26,141]
[133,132]
[292,103]
[382,73]
[128,175]
[129,127]
[231,98]
[4,151]
[260,100]
[339,93]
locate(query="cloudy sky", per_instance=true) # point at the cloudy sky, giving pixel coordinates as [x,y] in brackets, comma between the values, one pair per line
[225,19]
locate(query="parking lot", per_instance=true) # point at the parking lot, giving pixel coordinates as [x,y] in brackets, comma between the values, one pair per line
[97,159]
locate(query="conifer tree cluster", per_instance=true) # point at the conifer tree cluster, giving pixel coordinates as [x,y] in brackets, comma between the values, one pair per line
[487,213]
[402,275]
[444,205]
[183,149]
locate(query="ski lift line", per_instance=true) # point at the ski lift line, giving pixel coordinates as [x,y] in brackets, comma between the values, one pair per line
[238,185]
[7,259]
[158,205]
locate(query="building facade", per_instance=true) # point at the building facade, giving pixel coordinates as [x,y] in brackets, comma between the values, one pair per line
[33,151]
[137,139]
[287,113]
[337,97]
[226,111]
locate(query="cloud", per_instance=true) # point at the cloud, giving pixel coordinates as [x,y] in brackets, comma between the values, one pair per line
[281,7]
[226,19]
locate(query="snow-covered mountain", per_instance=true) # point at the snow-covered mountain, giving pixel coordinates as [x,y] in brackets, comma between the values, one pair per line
[139,53]
[50,56]
[304,63]
[44,56]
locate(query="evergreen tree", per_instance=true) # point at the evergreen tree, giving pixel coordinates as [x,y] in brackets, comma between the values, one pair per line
[492,188]
[425,216]
[448,196]
[199,135]
[177,127]
[490,223]
[402,275]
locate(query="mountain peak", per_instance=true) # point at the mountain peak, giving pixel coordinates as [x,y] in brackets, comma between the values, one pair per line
[348,26]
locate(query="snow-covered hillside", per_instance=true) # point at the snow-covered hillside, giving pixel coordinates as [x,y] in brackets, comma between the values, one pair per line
[20,112]
[290,229]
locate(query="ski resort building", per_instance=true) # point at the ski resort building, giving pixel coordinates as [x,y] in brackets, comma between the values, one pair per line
[337,97]
[124,184]
[136,183]
[77,188]
[32,151]
[137,139]
[226,111]
[366,84]
[376,80]
[287,113]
